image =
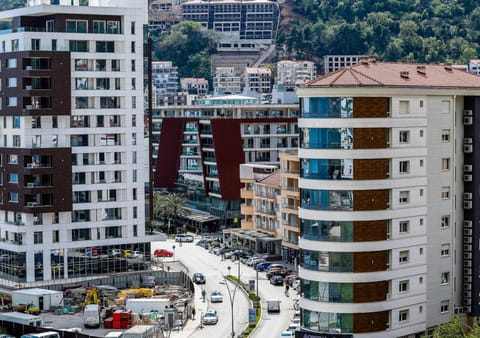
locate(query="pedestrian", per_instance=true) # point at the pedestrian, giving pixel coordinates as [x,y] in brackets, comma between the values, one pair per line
[204,294]
[286,289]
[193,313]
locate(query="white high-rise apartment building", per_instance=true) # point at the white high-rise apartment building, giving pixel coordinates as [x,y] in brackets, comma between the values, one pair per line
[389,198]
[72,141]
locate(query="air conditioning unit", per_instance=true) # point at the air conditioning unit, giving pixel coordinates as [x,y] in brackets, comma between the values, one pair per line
[467,264]
[467,167]
[467,204]
[467,279]
[467,255]
[468,140]
[467,178]
[468,309]
[467,148]
[31,185]
[467,272]
[467,112]
[467,224]
[467,286]
[467,247]
[467,120]
[467,301]
[467,195]
[467,232]
[28,87]
[467,240]
[467,294]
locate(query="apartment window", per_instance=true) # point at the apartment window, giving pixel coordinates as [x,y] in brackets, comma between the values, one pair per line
[420,309]
[421,192]
[78,45]
[14,45]
[445,135]
[13,178]
[76,26]
[445,221]
[135,230]
[445,250]
[134,176]
[54,121]
[50,25]
[12,82]
[404,107]
[100,65]
[420,251]
[420,280]
[113,27]
[83,2]
[132,27]
[12,63]
[13,196]
[133,65]
[37,237]
[135,212]
[134,194]
[404,197]
[445,193]
[404,136]
[134,139]
[54,44]
[12,101]
[98,26]
[35,44]
[13,159]
[134,103]
[403,256]
[404,167]
[403,286]
[403,316]
[421,132]
[115,65]
[133,47]
[404,227]
[444,277]
[445,163]
[421,163]
[421,103]
[16,141]
[55,236]
[134,85]
[444,306]
[105,46]
[16,122]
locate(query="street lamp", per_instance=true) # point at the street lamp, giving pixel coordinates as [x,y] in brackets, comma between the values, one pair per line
[173,247]
[231,296]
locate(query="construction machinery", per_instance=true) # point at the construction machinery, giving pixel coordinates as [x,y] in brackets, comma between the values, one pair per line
[91,297]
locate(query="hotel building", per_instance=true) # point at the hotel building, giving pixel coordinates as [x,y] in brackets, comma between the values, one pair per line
[71,149]
[389,200]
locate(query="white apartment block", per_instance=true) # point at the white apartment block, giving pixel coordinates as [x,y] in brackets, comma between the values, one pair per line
[290,73]
[226,81]
[72,144]
[332,63]
[258,79]
[388,186]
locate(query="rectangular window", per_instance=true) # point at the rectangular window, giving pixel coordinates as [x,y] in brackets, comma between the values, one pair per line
[444,278]
[404,227]
[78,45]
[55,236]
[100,65]
[13,159]
[445,163]
[445,135]
[132,27]
[35,44]
[37,237]
[113,27]
[76,26]
[16,141]
[404,197]
[105,47]
[133,47]
[16,122]
[445,250]
[403,256]
[444,305]
[445,193]
[404,136]
[404,107]
[13,178]
[445,221]
[403,316]
[98,26]
[12,63]
[133,65]
[13,197]
[54,44]
[12,101]
[403,286]
[404,167]
[12,82]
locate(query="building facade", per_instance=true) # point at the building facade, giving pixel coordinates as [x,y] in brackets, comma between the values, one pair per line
[199,148]
[72,140]
[258,79]
[332,63]
[226,80]
[290,73]
[165,81]
[196,86]
[238,25]
[388,199]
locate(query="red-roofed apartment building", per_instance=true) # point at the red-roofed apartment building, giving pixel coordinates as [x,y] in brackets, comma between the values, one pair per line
[389,241]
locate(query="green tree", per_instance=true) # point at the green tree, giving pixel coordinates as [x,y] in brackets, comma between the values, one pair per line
[170,207]
[457,329]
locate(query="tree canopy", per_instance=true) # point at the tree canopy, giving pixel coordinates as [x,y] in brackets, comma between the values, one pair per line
[410,30]
[456,329]
[188,46]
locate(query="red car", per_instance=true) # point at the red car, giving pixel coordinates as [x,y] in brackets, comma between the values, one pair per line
[162,253]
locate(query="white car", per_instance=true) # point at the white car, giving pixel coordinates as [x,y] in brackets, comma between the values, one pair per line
[216,297]
[137,254]
[210,317]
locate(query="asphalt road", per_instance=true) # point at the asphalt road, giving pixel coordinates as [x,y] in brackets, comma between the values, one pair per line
[197,259]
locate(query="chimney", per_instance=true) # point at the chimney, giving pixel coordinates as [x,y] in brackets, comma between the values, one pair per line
[405,74]
[421,70]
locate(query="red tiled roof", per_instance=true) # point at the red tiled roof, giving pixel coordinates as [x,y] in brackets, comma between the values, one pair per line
[385,74]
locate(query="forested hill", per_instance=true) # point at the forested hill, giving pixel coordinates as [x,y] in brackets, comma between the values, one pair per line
[11,4]
[412,30]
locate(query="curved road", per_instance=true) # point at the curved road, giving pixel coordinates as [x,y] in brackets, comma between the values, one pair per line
[197,259]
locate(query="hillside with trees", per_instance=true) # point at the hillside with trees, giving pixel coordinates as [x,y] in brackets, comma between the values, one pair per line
[410,30]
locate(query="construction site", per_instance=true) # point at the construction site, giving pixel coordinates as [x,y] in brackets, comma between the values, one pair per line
[153,304]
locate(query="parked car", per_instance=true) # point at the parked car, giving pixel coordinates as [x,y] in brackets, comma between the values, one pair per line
[202,243]
[293,327]
[162,253]
[115,253]
[198,278]
[276,280]
[263,266]
[250,260]
[210,317]
[183,238]
[137,254]
[216,297]
[147,282]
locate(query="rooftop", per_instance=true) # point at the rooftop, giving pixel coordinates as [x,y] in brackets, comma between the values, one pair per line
[385,74]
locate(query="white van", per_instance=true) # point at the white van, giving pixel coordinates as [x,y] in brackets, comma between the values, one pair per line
[273,305]
[91,315]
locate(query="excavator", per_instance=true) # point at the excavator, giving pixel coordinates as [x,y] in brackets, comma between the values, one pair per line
[91,296]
